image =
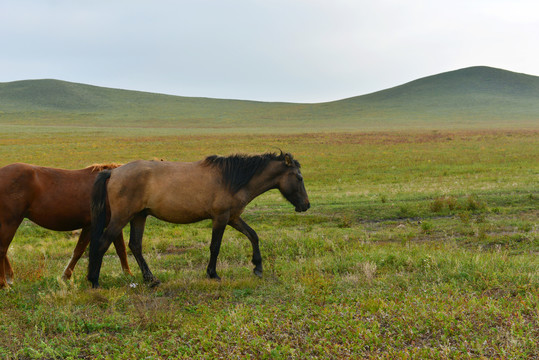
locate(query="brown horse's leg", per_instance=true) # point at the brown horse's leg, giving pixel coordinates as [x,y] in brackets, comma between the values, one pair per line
[218,229]
[82,243]
[135,244]
[119,245]
[7,231]
[9,271]
[246,230]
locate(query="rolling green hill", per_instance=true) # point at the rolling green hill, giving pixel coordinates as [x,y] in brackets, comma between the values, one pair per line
[475,95]
[471,97]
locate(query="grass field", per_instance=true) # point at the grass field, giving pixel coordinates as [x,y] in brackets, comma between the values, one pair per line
[417,245]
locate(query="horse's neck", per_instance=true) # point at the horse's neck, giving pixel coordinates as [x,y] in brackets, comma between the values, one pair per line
[265,181]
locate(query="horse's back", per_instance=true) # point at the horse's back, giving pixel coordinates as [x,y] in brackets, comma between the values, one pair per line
[158,176]
[56,199]
[180,192]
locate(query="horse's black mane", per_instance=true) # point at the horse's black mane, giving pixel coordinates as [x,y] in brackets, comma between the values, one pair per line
[239,169]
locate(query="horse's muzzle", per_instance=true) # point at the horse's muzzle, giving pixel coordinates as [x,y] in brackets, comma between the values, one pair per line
[303,207]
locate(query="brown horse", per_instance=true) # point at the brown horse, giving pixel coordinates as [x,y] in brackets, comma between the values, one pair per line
[216,188]
[55,199]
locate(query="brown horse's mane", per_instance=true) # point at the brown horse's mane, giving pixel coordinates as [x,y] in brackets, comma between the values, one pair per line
[101,167]
[239,169]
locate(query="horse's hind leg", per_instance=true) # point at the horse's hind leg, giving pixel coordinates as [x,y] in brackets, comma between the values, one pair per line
[82,244]
[7,231]
[246,230]
[8,271]
[135,244]
[112,231]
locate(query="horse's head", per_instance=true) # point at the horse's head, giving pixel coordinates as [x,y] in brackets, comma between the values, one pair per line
[291,184]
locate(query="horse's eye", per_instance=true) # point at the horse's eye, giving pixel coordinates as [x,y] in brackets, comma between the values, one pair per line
[300,178]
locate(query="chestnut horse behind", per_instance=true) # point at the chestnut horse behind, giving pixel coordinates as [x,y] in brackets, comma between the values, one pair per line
[216,188]
[55,199]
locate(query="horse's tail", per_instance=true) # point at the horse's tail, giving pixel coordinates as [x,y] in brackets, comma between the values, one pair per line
[99,221]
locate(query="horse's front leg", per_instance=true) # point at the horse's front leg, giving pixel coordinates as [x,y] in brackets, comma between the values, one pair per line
[119,245]
[82,243]
[246,230]
[218,229]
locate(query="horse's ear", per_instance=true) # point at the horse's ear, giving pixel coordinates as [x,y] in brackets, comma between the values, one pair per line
[288,159]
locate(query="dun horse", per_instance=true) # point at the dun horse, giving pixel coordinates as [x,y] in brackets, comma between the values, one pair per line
[216,188]
[52,198]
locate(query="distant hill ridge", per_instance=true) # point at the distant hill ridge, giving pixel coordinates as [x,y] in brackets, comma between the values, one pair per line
[471,96]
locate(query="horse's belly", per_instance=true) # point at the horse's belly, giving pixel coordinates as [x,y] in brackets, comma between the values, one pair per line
[59,224]
[178,215]
[60,221]
[180,218]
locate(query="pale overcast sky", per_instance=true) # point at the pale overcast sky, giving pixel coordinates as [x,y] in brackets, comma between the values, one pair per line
[269,50]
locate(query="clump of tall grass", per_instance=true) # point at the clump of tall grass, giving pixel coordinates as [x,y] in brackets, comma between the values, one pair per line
[369,270]
[444,202]
[451,204]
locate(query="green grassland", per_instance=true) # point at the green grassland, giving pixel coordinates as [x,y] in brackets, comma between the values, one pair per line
[419,244]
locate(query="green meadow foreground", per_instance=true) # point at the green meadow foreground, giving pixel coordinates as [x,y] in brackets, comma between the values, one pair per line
[417,245]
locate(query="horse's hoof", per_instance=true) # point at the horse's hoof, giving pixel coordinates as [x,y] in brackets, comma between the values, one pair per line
[5,286]
[128,272]
[258,273]
[154,283]
[214,277]
[62,281]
